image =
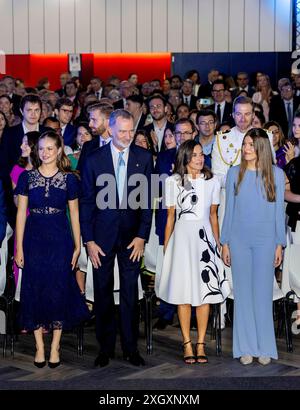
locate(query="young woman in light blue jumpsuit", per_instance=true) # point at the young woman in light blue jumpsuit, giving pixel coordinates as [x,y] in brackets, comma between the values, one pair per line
[253,234]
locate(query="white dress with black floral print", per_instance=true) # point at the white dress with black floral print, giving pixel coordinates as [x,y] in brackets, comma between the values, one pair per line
[192,272]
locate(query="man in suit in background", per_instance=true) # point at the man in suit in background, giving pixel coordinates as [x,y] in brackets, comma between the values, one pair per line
[98,121]
[9,81]
[63,78]
[155,130]
[126,89]
[283,107]
[221,108]
[10,151]
[187,94]
[116,228]
[64,113]
[242,81]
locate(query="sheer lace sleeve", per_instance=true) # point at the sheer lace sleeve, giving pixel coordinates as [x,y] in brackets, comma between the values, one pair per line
[73,187]
[23,185]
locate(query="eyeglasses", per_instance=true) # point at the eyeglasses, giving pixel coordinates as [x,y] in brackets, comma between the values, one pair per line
[152,107]
[218,91]
[208,123]
[179,133]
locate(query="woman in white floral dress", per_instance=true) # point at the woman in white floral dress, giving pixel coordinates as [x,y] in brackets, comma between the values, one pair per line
[192,273]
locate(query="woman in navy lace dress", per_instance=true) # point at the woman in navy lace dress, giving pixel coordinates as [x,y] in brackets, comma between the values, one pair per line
[46,251]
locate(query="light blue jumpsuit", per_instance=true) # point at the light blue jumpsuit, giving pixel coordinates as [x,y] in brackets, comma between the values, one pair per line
[252,228]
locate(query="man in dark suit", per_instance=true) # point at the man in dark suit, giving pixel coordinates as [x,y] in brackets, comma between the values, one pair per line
[10,151]
[64,112]
[187,94]
[98,121]
[155,130]
[114,224]
[242,81]
[63,78]
[126,89]
[221,108]
[283,107]
[9,81]
[134,104]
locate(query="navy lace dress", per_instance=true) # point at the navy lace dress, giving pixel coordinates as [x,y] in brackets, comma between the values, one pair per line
[50,296]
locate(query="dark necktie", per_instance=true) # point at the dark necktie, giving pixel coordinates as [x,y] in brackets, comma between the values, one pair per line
[219,113]
[289,118]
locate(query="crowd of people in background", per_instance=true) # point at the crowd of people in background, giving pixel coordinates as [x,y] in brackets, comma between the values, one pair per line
[229,151]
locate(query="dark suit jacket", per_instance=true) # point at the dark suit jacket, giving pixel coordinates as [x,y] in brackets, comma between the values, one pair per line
[235,91]
[16,99]
[278,113]
[119,104]
[87,149]
[10,150]
[111,226]
[163,166]
[69,135]
[141,123]
[3,219]
[150,127]
[227,115]
[193,101]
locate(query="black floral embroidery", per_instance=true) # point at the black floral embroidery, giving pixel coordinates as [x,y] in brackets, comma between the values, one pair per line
[186,202]
[210,269]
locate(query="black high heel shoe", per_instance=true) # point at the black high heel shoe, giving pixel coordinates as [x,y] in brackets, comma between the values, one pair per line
[188,359]
[53,365]
[40,365]
[201,357]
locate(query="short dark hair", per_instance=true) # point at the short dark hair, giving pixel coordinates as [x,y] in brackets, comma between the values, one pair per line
[51,119]
[157,96]
[185,121]
[206,113]
[30,98]
[63,101]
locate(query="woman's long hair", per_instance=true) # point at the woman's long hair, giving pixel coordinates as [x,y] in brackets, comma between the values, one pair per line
[63,163]
[183,158]
[282,138]
[32,140]
[264,162]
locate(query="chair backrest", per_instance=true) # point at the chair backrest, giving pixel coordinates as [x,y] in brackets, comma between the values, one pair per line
[291,264]
[3,258]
